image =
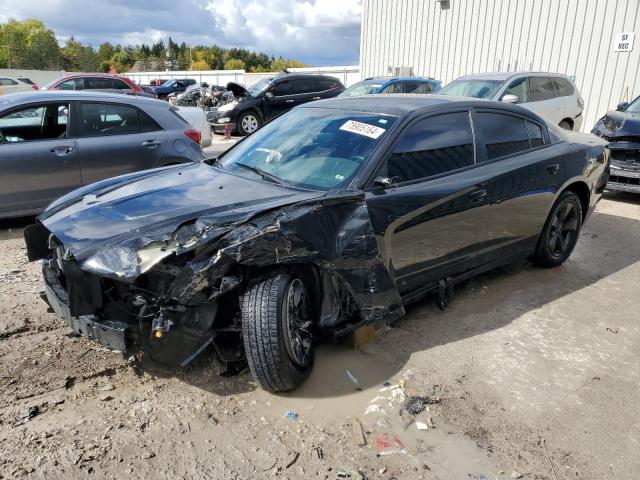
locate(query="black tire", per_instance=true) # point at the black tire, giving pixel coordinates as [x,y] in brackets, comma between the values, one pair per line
[270,350]
[565,125]
[560,232]
[248,122]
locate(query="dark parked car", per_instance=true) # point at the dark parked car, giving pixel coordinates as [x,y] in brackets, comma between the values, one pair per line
[101,82]
[376,85]
[269,98]
[621,129]
[54,142]
[337,214]
[177,85]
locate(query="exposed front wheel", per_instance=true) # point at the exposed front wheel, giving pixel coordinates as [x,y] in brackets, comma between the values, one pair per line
[560,233]
[276,327]
[248,123]
[565,125]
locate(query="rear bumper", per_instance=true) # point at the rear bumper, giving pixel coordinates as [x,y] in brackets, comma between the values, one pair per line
[111,334]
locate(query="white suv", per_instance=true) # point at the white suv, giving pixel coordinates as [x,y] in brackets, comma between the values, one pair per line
[11,85]
[551,95]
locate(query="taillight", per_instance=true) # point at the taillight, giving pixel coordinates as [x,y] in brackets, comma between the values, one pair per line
[35,86]
[194,135]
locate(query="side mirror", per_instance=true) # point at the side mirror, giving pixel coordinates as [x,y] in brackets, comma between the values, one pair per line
[622,106]
[268,95]
[385,182]
[509,98]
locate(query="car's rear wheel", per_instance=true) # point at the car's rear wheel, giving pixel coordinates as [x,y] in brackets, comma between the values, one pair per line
[565,125]
[276,327]
[248,123]
[560,233]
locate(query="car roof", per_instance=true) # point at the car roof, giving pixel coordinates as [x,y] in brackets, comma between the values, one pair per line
[401,78]
[97,74]
[70,95]
[394,104]
[508,75]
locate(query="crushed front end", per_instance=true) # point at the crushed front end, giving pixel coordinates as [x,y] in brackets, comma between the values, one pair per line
[154,311]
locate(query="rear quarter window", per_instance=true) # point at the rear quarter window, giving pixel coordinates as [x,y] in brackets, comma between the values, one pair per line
[563,86]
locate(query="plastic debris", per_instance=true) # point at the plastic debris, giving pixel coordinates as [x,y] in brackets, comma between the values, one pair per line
[352,377]
[422,426]
[373,408]
[516,474]
[291,415]
[384,441]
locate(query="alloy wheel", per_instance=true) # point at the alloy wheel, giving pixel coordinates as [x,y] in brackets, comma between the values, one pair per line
[249,123]
[297,323]
[563,230]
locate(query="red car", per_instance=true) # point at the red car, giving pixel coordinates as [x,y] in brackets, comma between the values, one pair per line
[96,81]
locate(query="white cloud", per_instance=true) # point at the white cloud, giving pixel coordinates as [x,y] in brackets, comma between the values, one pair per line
[314,31]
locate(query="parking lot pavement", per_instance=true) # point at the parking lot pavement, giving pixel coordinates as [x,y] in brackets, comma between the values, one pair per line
[219,144]
[531,371]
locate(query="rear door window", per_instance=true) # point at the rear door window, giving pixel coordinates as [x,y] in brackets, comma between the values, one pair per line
[302,85]
[102,119]
[541,88]
[503,134]
[323,84]
[432,146]
[7,82]
[520,88]
[563,86]
[119,84]
[536,138]
[97,83]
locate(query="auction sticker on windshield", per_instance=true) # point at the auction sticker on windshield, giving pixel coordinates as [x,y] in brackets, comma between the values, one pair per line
[360,128]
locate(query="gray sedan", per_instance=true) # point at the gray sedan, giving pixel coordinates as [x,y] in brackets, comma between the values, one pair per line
[54,142]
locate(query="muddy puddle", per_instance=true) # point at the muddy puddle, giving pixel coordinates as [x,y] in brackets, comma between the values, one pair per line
[373,395]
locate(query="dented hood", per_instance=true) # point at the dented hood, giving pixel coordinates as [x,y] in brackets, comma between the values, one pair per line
[618,124]
[158,202]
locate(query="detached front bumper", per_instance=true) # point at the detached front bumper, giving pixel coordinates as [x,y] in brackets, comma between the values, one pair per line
[111,334]
[625,167]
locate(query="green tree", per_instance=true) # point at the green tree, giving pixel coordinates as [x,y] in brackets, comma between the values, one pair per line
[28,44]
[234,64]
[280,63]
[79,58]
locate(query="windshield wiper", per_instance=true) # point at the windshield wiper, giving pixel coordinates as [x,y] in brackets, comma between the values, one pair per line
[265,175]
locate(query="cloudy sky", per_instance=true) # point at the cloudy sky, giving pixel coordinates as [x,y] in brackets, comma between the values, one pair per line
[318,32]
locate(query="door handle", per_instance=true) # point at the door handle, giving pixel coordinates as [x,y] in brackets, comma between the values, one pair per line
[553,169]
[151,143]
[289,101]
[477,195]
[316,98]
[62,151]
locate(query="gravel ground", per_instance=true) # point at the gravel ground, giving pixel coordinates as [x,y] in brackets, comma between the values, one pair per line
[529,372]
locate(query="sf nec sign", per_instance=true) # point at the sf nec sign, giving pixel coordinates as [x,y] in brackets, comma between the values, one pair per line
[623,42]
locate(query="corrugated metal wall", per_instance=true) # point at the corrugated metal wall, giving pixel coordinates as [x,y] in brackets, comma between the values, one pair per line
[450,39]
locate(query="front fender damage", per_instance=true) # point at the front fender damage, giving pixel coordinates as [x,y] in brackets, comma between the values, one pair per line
[178,277]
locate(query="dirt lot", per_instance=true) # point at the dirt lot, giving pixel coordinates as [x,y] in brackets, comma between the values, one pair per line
[531,372]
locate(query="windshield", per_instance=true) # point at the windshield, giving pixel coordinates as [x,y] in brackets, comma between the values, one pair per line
[259,86]
[473,88]
[634,107]
[169,83]
[314,148]
[361,88]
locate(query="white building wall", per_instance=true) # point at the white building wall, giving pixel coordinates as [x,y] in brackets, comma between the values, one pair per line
[446,40]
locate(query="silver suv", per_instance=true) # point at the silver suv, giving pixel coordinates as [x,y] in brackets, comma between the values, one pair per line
[551,95]
[54,142]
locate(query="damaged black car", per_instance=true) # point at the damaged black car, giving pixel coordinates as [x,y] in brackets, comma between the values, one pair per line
[621,128]
[335,215]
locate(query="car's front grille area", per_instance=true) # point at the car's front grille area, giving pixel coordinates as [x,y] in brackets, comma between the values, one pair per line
[625,180]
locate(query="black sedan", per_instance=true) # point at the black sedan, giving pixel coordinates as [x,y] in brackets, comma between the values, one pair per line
[337,214]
